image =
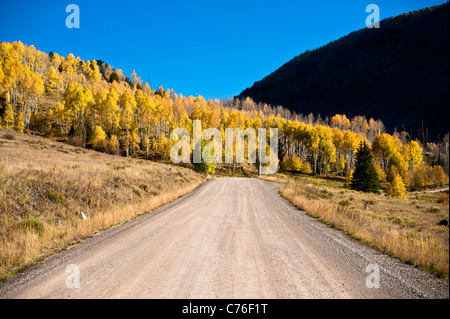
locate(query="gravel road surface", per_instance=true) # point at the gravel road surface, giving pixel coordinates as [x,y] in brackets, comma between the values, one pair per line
[230,238]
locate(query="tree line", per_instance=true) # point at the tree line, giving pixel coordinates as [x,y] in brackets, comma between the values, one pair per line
[92,105]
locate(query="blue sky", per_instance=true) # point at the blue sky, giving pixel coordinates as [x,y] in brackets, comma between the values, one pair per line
[208,47]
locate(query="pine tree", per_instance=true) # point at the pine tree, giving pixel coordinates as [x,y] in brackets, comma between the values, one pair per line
[365,177]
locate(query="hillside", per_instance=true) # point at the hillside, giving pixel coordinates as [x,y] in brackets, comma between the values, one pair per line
[398,73]
[43,184]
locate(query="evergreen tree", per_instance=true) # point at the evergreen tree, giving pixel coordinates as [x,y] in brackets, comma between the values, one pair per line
[365,177]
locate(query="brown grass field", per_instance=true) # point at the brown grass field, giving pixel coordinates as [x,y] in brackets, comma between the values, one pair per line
[43,184]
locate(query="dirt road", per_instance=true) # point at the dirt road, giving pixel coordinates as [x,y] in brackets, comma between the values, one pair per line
[230,238]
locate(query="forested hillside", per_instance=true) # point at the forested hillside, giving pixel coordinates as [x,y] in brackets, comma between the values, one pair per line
[398,73]
[87,105]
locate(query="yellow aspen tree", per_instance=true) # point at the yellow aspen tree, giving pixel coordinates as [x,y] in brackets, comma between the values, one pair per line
[438,175]
[417,178]
[413,154]
[8,116]
[98,139]
[350,146]
[384,147]
[396,187]
[111,112]
[135,140]
[338,141]
[113,145]
[51,81]
[94,75]
[76,101]
[19,122]
[2,76]
[127,104]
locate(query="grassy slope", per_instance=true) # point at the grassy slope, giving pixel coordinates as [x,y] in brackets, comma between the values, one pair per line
[404,228]
[44,183]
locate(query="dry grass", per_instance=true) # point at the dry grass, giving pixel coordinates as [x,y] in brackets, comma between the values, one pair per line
[406,229]
[44,183]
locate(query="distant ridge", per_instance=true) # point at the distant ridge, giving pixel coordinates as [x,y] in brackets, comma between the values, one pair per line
[398,73]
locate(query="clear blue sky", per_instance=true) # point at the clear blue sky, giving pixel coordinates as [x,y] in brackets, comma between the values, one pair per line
[209,47]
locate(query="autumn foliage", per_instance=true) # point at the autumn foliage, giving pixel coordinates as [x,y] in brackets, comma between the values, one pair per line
[96,106]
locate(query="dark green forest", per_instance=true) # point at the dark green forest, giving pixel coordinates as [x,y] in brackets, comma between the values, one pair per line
[398,73]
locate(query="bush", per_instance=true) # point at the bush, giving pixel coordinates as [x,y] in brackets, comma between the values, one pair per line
[31,224]
[75,141]
[443,199]
[435,209]
[417,178]
[203,167]
[292,163]
[118,166]
[324,194]
[137,191]
[344,203]
[9,137]
[54,196]
[397,220]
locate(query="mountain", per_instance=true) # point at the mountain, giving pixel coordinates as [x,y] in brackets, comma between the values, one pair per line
[398,73]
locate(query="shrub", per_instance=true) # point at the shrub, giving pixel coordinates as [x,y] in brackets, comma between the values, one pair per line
[443,198]
[30,224]
[398,221]
[155,193]
[137,191]
[324,194]
[75,141]
[344,203]
[9,137]
[208,168]
[118,166]
[292,163]
[54,196]
[435,209]
[417,178]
